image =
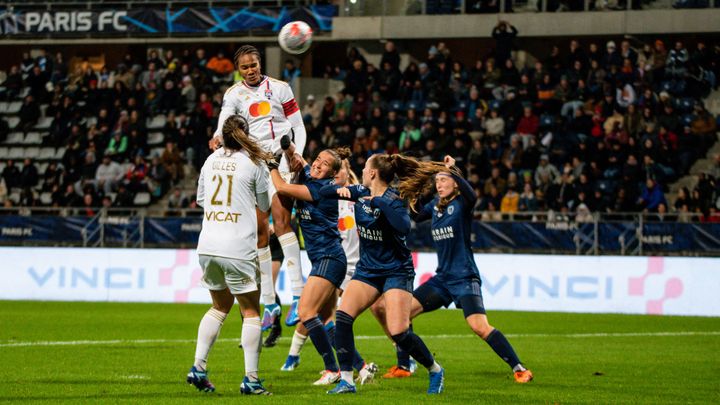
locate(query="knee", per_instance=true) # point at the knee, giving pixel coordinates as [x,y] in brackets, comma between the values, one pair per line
[482,329]
[401,336]
[378,309]
[223,306]
[306,313]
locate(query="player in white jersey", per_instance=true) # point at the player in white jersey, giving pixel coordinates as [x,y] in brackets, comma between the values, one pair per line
[233,184]
[270,107]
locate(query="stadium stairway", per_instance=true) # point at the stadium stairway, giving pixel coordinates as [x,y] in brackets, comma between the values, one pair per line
[712,103]
[188,188]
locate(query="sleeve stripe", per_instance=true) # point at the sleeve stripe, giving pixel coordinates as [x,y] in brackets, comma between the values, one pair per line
[290,107]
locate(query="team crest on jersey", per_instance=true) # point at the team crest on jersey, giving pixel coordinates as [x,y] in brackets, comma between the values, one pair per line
[376,213]
[450,210]
[268,93]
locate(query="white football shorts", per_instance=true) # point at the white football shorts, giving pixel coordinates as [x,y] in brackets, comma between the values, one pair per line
[240,276]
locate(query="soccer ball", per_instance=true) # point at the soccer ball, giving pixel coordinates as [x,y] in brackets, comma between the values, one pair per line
[295,37]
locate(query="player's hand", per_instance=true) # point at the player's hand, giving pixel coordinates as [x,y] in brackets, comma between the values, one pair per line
[449,161]
[274,163]
[343,192]
[214,143]
[296,163]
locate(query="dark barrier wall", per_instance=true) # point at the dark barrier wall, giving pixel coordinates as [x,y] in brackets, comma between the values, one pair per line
[551,236]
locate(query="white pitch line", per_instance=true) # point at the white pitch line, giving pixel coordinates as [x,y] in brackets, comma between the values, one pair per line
[362,337]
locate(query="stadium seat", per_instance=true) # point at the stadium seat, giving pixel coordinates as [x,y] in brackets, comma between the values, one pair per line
[156,122]
[15,138]
[155,138]
[4,107]
[4,153]
[112,196]
[32,152]
[142,199]
[16,153]
[44,123]
[90,121]
[156,152]
[13,107]
[13,121]
[2,165]
[46,198]
[41,166]
[33,138]
[14,196]
[47,153]
[60,153]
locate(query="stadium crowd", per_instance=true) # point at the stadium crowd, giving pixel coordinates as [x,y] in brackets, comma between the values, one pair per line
[603,129]
[599,129]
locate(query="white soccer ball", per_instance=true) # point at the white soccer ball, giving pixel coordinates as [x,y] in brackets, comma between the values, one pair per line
[295,37]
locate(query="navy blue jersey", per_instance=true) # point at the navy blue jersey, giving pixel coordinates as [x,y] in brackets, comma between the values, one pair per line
[319,219]
[383,225]
[451,230]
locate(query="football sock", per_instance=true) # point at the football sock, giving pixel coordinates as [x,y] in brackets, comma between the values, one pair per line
[252,343]
[319,337]
[411,343]
[345,341]
[291,250]
[298,341]
[267,288]
[358,361]
[347,376]
[208,332]
[503,348]
[403,357]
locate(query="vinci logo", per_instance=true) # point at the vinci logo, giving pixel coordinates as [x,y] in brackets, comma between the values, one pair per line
[260,109]
[673,286]
[182,259]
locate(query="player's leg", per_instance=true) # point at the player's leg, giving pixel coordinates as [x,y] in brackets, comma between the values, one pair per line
[398,304]
[277,259]
[241,279]
[267,288]
[474,310]
[357,297]
[298,341]
[281,212]
[211,322]
[317,291]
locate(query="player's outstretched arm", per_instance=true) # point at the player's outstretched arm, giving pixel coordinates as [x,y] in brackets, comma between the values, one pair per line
[297,191]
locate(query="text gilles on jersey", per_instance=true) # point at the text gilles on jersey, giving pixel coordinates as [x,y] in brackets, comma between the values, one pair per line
[222,216]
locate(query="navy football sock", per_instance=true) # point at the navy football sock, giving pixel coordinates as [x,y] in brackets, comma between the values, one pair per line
[403,357]
[320,339]
[345,340]
[411,343]
[503,348]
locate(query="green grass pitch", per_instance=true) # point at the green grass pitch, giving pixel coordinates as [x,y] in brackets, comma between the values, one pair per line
[56,352]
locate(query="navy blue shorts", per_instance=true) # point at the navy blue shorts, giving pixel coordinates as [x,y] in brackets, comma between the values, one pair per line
[384,283]
[465,293]
[330,269]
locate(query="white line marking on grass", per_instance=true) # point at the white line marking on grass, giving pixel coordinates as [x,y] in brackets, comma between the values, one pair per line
[135,377]
[362,337]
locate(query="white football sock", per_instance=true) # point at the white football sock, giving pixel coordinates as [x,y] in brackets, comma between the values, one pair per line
[347,376]
[208,332]
[267,288]
[298,341]
[251,343]
[291,250]
[435,367]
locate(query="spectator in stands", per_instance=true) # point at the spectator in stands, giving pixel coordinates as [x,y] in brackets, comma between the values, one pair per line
[356,79]
[176,201]
[29,113]
[651,197]
[510,201]
[169,99]
[29,176]
[545,171]
[11,175]
[118,146]
[220,65]
[290,72]
[504,34]
[37,81]
[108,175]
[13,83]
[69,198]
[189,95]
[173,162]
